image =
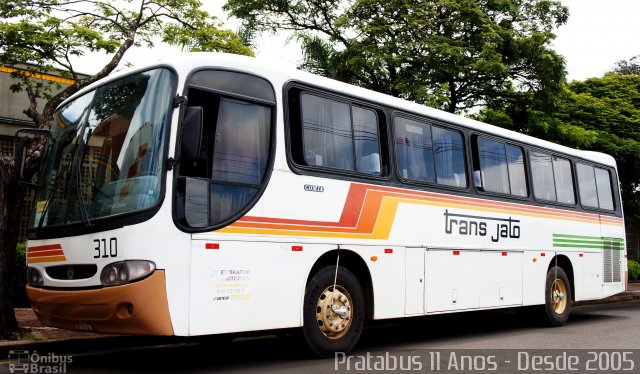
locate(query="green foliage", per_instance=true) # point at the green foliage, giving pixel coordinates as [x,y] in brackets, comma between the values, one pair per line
[634,269]
[598,114]
[43,37]
[451,54]
[628,67]
[20,276]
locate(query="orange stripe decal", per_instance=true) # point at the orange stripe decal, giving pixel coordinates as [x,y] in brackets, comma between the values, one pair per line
[47,259]
[41,248]
[369,213]
[45,253]
[55,252]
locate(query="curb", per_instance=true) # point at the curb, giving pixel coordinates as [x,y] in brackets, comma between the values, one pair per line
[86,344]
[625,296]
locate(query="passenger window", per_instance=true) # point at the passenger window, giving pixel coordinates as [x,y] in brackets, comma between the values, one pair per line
[365,139]
[429,153]
[552,178]
[414,150]
[542,176]
[338,135]
[449,157]
[493,166]
[501,167]
[564,180]
[587,184]
[517,175]
[603,182]
[595,187]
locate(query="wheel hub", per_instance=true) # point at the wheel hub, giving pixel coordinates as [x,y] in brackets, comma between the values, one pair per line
[334,312]
[558,292]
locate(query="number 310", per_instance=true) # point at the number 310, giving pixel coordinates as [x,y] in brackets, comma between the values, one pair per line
[101,248]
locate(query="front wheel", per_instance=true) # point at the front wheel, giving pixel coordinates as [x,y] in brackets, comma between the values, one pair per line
[333,318]
[557,296]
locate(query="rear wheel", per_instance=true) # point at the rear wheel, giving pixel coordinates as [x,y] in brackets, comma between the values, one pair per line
[333,318]
[557,296]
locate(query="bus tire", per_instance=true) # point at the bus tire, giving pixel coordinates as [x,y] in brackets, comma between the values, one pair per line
[326,331]
[557,297]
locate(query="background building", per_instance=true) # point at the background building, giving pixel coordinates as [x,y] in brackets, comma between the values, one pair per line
[12,118]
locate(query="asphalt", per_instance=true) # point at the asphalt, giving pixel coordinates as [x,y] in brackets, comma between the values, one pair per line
[75,342]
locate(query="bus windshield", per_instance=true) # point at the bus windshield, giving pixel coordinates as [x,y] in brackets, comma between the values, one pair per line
[105,153]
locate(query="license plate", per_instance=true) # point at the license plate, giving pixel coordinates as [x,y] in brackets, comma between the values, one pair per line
[84,326]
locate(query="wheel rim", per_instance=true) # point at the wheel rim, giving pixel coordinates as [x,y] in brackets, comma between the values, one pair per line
[334,312]
[558,296]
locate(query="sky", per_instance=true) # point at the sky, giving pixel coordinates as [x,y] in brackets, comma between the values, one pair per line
[597,34]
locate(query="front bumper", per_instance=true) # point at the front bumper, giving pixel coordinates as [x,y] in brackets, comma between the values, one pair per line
[136,308]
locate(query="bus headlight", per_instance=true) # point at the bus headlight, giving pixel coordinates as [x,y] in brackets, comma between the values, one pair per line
[126,271]
[34,277]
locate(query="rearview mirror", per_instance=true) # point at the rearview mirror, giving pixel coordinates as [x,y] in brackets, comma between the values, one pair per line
[191,133]
[23,136]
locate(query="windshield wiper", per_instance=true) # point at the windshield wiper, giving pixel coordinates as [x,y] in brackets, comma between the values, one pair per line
[60,177]
[84,215]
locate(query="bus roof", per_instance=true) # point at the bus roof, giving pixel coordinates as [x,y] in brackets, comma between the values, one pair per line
[186,62]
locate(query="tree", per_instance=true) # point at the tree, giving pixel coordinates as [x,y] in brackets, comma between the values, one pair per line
[451,54]
[610,108]
[598,114]
[46,34]
[628,67]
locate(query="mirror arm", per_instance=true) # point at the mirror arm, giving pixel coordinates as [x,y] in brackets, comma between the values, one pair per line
[20,149]
[172,162]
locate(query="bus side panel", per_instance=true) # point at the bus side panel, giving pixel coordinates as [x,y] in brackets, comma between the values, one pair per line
[534,272]
[614,257]
[386,265]
[452,280]
[247,285]
[591,276]
[500,279]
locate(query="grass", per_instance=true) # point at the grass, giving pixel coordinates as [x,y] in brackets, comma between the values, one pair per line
[33,336]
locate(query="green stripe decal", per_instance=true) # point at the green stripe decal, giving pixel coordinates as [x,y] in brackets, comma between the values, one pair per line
[581,241]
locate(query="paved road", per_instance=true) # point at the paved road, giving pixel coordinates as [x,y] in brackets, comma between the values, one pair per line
[609,326]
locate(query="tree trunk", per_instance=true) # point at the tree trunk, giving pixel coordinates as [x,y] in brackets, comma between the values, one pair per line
[9,223]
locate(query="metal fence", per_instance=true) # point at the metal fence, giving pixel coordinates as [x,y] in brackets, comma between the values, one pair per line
[632,227]
[7,149]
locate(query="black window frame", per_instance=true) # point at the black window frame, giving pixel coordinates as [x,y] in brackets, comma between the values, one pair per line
[473,140]
[392,177]
[294,141]
[573,177]
[431,123]
[613,184]
[221,93]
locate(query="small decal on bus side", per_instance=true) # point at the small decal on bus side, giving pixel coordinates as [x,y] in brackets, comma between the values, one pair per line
[313,188]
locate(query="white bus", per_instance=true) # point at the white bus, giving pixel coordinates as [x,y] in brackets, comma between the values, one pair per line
[212,194]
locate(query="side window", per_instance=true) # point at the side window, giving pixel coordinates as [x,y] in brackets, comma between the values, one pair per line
[587,184]
[603,182]
[449,157]
[552,178]
[366,140]
[564,180]
[501,167]
[338,135]
[517,174]
[429,153]
[595,187]
[225,154]
[414,150]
